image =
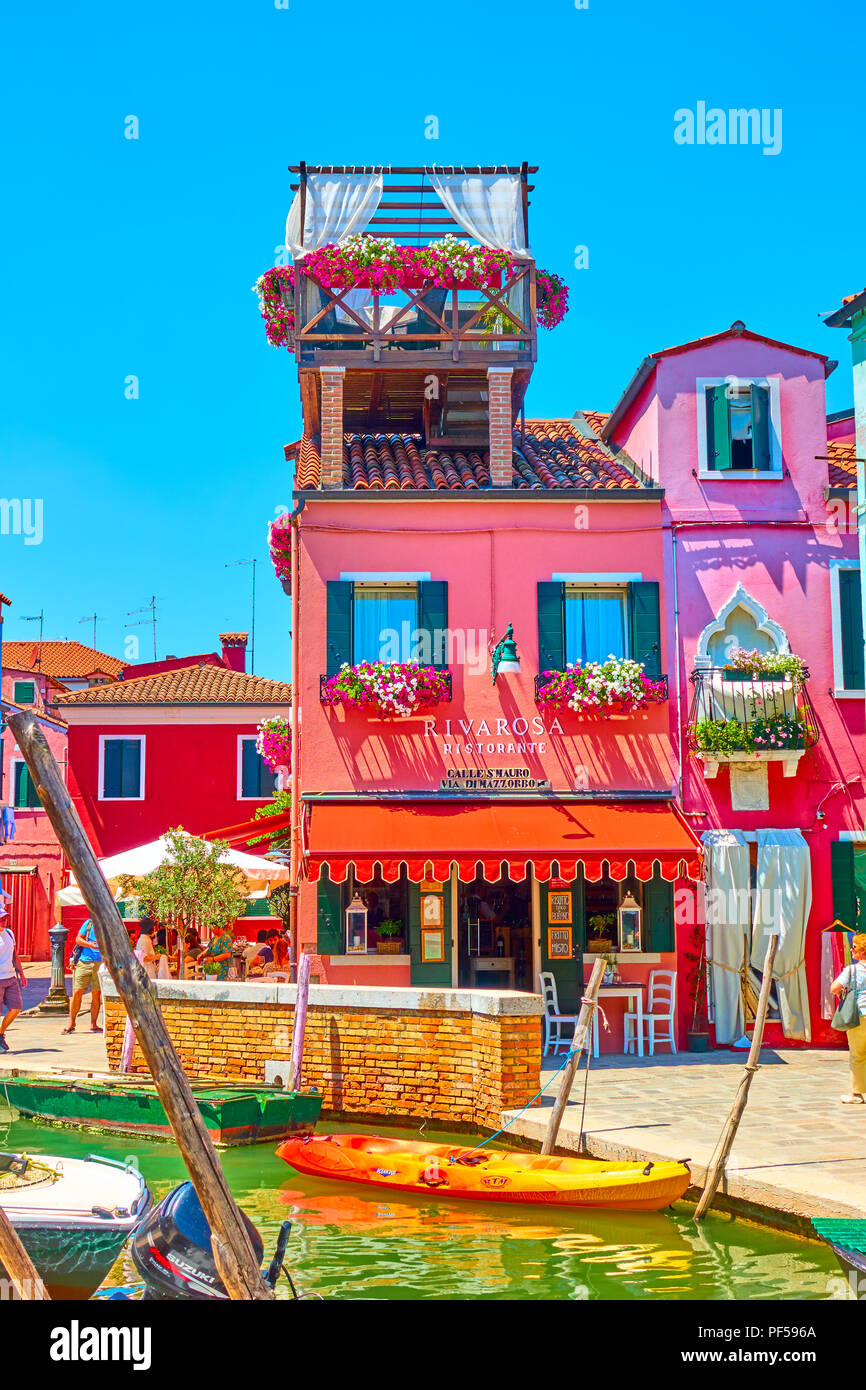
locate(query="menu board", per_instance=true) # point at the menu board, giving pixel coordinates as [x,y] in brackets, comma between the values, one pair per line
[559,907]
[559,943]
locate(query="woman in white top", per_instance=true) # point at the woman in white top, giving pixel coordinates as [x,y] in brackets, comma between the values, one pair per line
[144,948]
[854,977]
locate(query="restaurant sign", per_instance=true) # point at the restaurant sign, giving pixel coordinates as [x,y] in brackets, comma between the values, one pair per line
[493,779]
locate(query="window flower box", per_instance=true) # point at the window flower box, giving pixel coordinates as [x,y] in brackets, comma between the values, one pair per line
[615,686]
[391,690]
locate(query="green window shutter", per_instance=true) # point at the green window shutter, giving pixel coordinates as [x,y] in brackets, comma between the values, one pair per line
[24,692]
[658,915]
[760,427]
[25,797]
[339,620]
[112,754]
[433,618]
[645,618]
[329,918]
[850,605]
[718,428]
[431,972]
[130,780]
[551,627]
[845,896]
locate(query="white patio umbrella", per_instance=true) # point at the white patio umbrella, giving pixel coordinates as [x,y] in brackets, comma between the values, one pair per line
[259,873]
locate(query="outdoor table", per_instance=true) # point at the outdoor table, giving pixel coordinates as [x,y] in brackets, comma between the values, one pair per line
[624,990]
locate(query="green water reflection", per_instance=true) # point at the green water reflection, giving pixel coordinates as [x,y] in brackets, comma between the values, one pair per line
[352,1244]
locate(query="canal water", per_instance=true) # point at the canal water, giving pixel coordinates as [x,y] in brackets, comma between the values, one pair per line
[350,1244]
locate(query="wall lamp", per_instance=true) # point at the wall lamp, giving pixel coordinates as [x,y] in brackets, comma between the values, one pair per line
[505,661]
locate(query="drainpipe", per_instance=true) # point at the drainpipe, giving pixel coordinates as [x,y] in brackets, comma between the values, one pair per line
[294,823]
[858,354]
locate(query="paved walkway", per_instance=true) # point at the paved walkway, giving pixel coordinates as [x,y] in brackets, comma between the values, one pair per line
[798,1152]
[36,1042]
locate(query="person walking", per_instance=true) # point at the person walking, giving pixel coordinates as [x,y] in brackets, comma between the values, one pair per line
[854,977]
[12,980]
[86,977]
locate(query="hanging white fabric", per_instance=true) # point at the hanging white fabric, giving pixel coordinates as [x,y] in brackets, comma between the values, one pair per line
[336,207]
[489,207]
[783,901]
[726,860]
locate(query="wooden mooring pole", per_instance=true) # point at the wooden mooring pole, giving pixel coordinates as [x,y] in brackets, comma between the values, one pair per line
[19,1267]
[584,1020]
[233,1252]
[716,1170]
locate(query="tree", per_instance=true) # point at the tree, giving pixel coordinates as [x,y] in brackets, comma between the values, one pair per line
[193,888]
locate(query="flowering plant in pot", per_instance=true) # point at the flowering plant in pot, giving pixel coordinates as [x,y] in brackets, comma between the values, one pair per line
[755,665]
[393,689]
[280,547]
[274,742]
[389,936]
[617,685]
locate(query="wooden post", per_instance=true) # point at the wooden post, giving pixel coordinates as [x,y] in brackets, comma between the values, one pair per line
[584,1019]
[17,1263]
[726,1140]
[297,1062]
[233,1253]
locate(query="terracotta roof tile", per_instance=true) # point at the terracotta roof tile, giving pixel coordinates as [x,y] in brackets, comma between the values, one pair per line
[841,467]
[234,639]
[64,660]
[555,454]
[188,685]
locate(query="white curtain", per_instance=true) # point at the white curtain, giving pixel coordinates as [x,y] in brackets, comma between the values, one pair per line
[489,207]
[337,206]
[726,858]
[783,900]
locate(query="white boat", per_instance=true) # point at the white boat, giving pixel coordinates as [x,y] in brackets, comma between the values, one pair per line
[72,1214]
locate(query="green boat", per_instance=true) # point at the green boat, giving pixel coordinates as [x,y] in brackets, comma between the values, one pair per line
[119,1104]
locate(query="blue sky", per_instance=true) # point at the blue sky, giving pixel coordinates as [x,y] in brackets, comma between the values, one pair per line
[126,257]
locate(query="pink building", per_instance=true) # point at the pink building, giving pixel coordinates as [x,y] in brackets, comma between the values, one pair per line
[760,555]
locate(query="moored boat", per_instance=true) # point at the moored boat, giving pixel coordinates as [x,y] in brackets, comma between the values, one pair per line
[121,1104]
[846,1237]
[72,1215]
[488,1175]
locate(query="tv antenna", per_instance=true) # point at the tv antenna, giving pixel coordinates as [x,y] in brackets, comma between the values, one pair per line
[40,619]
[143,622]
[91,618]
[232,565]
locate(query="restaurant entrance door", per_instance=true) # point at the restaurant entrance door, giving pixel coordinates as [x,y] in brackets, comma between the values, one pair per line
[494,941]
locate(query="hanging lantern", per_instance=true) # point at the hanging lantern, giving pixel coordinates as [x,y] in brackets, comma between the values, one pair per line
[356,927]
[630,915]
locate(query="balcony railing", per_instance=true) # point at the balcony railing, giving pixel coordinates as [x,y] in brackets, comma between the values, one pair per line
[430,323]
[735,716]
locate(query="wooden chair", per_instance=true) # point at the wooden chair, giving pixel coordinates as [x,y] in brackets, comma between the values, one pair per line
[661,1008]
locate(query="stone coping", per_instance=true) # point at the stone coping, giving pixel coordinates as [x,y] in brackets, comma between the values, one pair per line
[494,1003]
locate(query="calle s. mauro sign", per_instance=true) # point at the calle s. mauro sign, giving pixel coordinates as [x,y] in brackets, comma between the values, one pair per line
[493,779]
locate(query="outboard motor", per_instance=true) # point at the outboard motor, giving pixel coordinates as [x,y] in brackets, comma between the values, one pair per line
[172,1252]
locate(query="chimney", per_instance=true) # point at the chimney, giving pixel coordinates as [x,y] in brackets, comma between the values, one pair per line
[234,646]
[332,426]
[499,409]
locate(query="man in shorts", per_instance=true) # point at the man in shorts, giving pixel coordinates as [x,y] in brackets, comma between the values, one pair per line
[12,977]
[86,977]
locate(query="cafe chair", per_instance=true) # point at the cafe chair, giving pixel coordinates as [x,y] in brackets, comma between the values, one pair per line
[660,1009]
[553,1019]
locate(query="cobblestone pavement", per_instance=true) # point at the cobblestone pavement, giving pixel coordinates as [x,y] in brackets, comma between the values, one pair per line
[798,1152]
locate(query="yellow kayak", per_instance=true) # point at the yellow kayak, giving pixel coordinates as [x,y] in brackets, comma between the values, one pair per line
[489,1175]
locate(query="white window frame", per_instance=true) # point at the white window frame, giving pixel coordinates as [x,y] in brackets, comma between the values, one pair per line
[839,690]
[759,475]
[13,762]
[112,738]
[242,739]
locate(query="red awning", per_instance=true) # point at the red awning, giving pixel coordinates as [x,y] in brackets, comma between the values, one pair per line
[240,834]
[617,837]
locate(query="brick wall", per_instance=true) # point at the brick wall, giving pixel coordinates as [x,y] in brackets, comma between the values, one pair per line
[455,1061]
[499,410]
[332,426]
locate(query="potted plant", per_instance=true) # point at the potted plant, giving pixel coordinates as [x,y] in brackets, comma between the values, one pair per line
[601,929]
[697,1036]
[389,938]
